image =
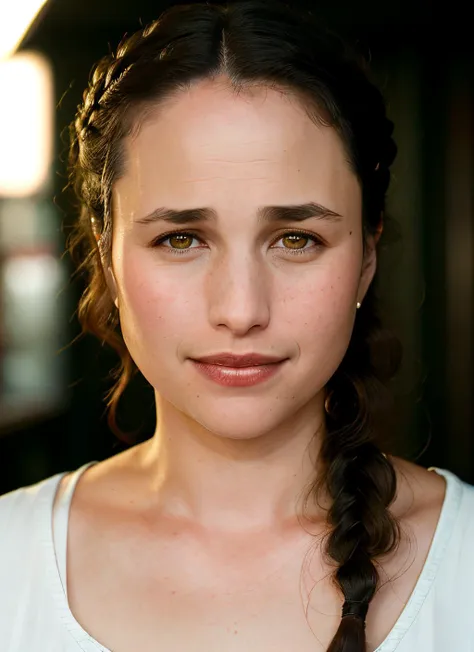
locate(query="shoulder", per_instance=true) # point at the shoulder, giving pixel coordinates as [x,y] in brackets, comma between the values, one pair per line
[442,513]
[13,503]
[435,509]
[455,578]
[434,506]
[25,515]
[20,510]
[27,613]
[421,493]
[459,517]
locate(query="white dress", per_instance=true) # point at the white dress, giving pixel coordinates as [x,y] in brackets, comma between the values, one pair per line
[34,610]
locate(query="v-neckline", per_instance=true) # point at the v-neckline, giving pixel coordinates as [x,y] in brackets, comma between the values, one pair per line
[87,643]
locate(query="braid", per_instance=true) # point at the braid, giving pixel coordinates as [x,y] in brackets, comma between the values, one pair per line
[362,483]
[109,72]
[90,166]
[359,479]
[97,313]
[93,160]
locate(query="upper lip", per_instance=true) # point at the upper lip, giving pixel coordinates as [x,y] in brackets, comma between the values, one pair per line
[246,360]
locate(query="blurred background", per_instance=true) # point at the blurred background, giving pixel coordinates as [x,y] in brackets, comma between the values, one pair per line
[51,386]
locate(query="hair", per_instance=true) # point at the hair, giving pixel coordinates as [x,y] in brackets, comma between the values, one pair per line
[256,43]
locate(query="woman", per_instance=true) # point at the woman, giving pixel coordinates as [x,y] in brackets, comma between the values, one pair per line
[231,164]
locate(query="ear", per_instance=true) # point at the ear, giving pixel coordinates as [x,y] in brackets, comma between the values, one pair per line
[111,284]
[108,272]
[369,265]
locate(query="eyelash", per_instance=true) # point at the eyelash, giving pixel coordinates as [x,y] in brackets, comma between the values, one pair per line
[179,252]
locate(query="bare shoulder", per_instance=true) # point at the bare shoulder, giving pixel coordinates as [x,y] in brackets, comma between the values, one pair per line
[426,487]
[107,482]
[420,499]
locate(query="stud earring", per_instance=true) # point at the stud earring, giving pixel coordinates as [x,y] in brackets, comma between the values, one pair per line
[358,305]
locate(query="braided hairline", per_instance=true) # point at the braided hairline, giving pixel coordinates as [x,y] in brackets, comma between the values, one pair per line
[114,67]
[109,73]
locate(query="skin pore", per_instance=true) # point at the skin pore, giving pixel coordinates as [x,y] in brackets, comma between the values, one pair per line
[236,458]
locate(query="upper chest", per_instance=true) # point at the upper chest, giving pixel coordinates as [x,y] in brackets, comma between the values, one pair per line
[133,589]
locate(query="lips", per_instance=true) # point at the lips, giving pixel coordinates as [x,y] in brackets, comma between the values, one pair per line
[246,360]
[232,371]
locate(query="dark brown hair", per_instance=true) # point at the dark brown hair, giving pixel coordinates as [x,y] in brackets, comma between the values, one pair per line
[270,44]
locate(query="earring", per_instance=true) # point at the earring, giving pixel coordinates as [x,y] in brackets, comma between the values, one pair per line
[327,403]
[358,305]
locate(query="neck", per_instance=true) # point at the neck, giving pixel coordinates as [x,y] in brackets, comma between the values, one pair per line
[234,484]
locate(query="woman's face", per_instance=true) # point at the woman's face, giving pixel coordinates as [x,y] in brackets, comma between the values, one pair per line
[237,282]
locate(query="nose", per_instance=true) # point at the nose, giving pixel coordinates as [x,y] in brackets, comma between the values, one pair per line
[238,295]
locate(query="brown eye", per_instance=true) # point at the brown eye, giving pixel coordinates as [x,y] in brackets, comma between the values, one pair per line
[295,240]
[180,241]
[176,242]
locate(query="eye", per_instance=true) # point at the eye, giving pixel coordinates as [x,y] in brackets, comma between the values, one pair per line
[179,241]
[295,242]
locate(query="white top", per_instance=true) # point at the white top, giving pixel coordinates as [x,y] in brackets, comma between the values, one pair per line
[34,610]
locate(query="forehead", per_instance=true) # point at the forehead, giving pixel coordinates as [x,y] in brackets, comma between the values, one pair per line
[209,145]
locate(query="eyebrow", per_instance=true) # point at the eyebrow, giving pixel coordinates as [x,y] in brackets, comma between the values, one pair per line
[291,213]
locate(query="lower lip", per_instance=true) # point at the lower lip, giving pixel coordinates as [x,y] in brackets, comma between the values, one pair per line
[238,376]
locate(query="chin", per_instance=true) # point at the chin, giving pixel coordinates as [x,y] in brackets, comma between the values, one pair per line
[247,419]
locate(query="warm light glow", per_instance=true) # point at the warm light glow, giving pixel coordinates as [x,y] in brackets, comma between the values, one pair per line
[26,124]
[15,18]
[31,277]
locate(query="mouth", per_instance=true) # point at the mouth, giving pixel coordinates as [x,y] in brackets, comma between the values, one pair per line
[238,361]
[240,375]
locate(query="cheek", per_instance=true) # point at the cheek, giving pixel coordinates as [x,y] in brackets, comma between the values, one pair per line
[319,309]
[326,291]
[156,304]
